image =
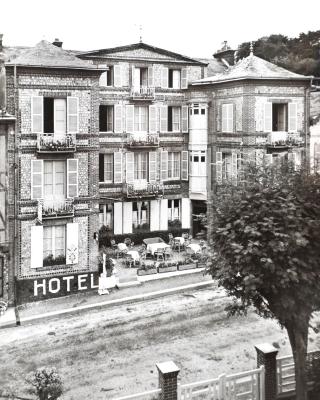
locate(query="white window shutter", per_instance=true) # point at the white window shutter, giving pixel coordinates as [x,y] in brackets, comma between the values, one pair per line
[184,118]
[234,167]
[154,215]
[117,213]
[268,117]
[164,166]
[230,118]
[127,217]
[150,77]
[129,118]
[224,117]
[163,118]
[37,114]
[152,166]
[118,126]
[185,213]
[72,177]
[73,114]
[184,165]
[72,250]
[163,215]
[164,77]
[219,166]
[184,78]
[292,119]
[117,75]
[36,246]
[36,179]
[268,159]
[118,167]
[103,79]
[153,114]
[129,167]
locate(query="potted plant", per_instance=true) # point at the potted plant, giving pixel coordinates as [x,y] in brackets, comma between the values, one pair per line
[146,269]
[188,263]
[167,266]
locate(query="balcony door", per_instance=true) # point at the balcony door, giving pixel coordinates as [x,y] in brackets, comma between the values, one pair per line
[54,184]
[60,118]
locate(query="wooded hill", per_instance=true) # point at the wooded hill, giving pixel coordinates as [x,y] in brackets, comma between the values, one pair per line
[300,55]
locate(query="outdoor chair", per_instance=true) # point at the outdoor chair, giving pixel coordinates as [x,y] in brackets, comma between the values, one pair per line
[129,261]
[159,254]
[177,245]
[113,244]
[168,253]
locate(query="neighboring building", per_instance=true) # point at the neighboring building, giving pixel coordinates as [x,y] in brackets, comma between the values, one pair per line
[315,127]
[54,96]
[128,142]
[258,112]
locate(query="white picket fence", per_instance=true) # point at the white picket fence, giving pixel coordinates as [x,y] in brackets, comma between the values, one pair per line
[247,385]
[150,395]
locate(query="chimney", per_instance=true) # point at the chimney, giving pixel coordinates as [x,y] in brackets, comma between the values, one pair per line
[57,43]
[3,100]
[225,54]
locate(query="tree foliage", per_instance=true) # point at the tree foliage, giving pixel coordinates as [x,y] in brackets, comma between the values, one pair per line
[266,249]
[46,383]
[300,55]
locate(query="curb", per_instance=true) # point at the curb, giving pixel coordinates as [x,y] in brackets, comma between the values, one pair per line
[112,303]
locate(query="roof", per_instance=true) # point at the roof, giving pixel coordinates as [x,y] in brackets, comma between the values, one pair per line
[45,54]
[251,67]
[214,66]
[141,51]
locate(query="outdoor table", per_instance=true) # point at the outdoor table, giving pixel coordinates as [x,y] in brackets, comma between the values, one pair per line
[153,247]
[122,246]
[152,240]
[134,254]
[180,239]
[195,247]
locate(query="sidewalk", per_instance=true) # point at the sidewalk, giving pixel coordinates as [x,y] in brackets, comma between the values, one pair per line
[91,300]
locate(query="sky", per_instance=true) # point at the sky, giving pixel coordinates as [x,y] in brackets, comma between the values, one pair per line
[195,28]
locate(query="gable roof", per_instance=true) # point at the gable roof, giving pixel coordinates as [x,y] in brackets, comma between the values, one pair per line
[141,51]
[252,67]
[214,66]
[45,54]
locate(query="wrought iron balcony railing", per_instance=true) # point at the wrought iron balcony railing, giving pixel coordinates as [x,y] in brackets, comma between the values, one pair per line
[49,209]
[284,139]
[142,189]
[143,140]
[51,142]
[142,93]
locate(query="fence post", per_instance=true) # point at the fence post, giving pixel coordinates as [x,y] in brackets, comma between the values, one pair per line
[222,386]
[267,356]
[168,380]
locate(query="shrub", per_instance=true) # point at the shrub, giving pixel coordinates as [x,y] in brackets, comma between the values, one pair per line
[46,382]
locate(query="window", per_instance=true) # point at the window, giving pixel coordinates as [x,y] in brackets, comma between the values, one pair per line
[140,215]
[140,119]
[173,210]
[140,77]
[174,79]
[226,166]
[279,117]
[54,244]
[105,118]
[54,183]
[174,119]
[54,115]
[198,163]
[173,165]
[106,168]
[227,117]
[106,78]
[106,216]
[1,275]
[140,165]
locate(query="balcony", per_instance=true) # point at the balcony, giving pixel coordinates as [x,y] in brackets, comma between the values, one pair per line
[142,93]
[56,143]
[283,139]
[142,189]
[50,209]
[143,140]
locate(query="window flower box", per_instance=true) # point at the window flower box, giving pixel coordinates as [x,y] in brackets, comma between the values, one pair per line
[185,267]
[166,267]
[150,271]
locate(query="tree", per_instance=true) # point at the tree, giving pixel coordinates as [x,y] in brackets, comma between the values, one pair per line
[266,251]
[46,383]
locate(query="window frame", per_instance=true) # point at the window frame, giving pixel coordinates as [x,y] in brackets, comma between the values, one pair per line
[53,238]
[172,164]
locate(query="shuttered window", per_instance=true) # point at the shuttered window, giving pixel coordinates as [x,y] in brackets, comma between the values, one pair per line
[184,166]
[37,179]
[118,167]
[118,115]
[106,168]
[186,213]
[140,119]
[164,77]
[184,118]
[163,119]
[117,208]
[174,165]
[129,118]
[54,244]
[140,166]
[153,119]
[184,78]
[227,117]
[37,114]
[292,118]
[268,117]
[73,114]
[117,77]
[150,77]
[164,166]
[130,164]
[152,166]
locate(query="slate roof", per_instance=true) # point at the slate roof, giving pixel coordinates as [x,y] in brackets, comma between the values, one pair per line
[114,51]
[251,67]
[45,54]
[214,66]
